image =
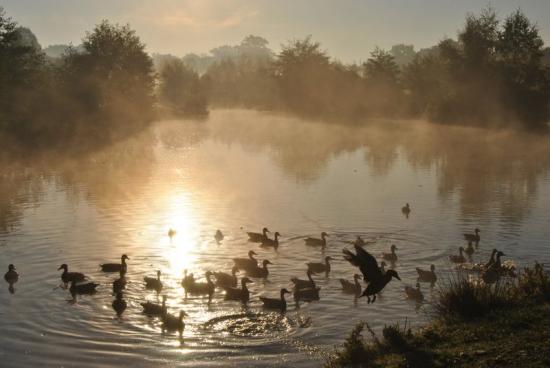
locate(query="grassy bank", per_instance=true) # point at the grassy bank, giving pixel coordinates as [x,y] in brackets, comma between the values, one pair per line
[505,325]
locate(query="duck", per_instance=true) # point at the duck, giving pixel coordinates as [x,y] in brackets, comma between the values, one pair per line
[153,283]
[427,276]
[120,283]
[267,242]
[309,294]
[246,263]
[11,276]
[67,276]
[155,310]
[226,280]
[187,279]
[406,210]
[491,259]
[372,274]
[218,236]
[414,293]
[351,287]
[87,288]
[172,323]
[119,304]
[392,257]
[258,237]
[469,249]
[202,288]
[315,267]
[171,233]
[276,303]
[259,271]
[494,271]
[458,258]
[115,267]
[316,241]
[473,237]
[304,284]
[359,241]
[242,294]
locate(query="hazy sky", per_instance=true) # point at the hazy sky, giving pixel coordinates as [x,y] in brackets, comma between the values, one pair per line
[348,29]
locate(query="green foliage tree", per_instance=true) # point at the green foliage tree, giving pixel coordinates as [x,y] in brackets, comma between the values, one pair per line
[383,90]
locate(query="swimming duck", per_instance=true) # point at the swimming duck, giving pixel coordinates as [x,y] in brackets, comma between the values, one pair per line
[67,276]
[392,257]
[11,276]
[152,309]
[153,283]
[317,242]
[491,260]
[493,272]
[259,271]
[304,284]
[276,303]
[359,241]
[120,283]
[351,287]
[315,267]
[88,288]
[371,272]
[115,267]
[414,293]
[267,242]
[202,288]
[258,237]
[187,279]
[172,323]
[245,263]
[458,258]
[406,210]
[242,294]
[308,295]
[171,233]
[226,280]
[119,304]
[473,237]
[427,276]
[469,249]
[218,236]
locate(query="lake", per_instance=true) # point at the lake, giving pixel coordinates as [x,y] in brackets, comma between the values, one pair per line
[239,171]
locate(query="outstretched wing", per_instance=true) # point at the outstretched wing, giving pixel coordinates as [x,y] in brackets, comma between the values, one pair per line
[366,263]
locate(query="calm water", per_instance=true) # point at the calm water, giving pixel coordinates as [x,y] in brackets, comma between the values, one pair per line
[241,171]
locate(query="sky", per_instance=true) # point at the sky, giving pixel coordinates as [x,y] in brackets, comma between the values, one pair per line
[348,29]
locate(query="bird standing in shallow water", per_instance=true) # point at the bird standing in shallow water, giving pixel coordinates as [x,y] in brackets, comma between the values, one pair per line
[274,303]
[317,242]
[115,267]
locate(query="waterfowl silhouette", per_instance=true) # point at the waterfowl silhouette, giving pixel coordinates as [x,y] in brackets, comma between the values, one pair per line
[171,233]
[469,249]
[258,237]
[458,258]
[67,276]
[304,284]
[218,236]
[226,280]
[120,283]
[315,267]
[276,303]
[316,241]
[11,276]
[87,288]
[371,272]
[414,293]
[406,210]
[392,257]
[153,283]
[246,263]
[155,310]
[119,304]
[491,259]
[172,323]
[351,287]
[242,294]
[494,271]
[309,294]
[187,280]
[202,288]
[473,237]
[115,267]
[427,276]
[267,242]
[259,271]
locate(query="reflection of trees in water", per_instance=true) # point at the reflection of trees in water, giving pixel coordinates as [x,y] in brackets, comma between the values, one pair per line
[175,134]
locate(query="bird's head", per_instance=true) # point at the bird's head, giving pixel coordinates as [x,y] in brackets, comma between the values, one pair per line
[266,262]
[124,257]
[393,273]
[62,267]
[11,267]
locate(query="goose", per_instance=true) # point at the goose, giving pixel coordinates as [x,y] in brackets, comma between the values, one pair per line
[276,303]
[427,276]
[304,284]
[259,271]
[115,267]
[152,309]
[458,258]
[359,241]
[414,293]
[482,267]
[473,237]
[469,249]
[67,276]
[493,273]
[218,236]
[245,263]
[187,279]
[491,260]
[202,288]
[242,294]
[267,242]
[392,257]
[119,304]
[172,323]
[309,294]
[315,267]
[171,233]
[11,276]
[88,288]
[258,237]
[316,241]
[406,209]
[226,280]
[351,287]
[120,283]
[153,283]
[371,272]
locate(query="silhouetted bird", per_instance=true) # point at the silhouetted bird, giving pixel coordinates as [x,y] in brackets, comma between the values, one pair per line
[406,210]
[307,295]
[218,236]
[304,284]
[172,323]
[259,271]
[226,280]
[494,271]
[258,237]
[458,258]
[11,276]
[242,294]
[276,303]
[414,293]
[316,241]
[155,310]
[315,267]
[202,288]
[469,249]
[67,276]
[473,237]
[427,276]
[88,288]
[115,267]
[171,233]
[246,263]
[153,283]
[267,242]
[120,283]
[351,287]
[392,257]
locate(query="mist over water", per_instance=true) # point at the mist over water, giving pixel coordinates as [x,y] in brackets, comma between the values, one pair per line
[240,171]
